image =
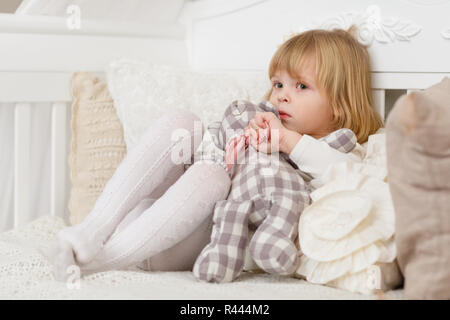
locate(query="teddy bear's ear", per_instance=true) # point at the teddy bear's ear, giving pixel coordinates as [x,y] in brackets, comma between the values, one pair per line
[266,106]
[343,140]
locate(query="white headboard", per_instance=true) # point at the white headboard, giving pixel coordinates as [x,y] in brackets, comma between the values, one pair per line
[409,44]
[408,40]
[404,36]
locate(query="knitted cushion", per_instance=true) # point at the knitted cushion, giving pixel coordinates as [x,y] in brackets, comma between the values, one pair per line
[98,145]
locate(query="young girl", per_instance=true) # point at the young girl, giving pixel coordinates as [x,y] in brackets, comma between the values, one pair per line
[155,213]
[320,83]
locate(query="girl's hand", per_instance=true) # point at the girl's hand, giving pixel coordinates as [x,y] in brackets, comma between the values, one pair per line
[232,150]
[265,132]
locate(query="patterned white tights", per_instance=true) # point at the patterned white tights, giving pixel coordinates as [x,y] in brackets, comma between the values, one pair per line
[151,211]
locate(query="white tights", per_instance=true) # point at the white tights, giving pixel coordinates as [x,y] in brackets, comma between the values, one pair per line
[151,212]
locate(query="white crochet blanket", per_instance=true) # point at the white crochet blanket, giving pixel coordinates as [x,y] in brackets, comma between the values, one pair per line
[25,273]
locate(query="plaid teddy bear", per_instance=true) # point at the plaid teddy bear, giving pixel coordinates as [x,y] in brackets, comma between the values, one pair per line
[267,196]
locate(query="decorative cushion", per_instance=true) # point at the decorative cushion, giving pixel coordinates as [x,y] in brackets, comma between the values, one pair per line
[418,159]
[143,91]
[346,235]
[98,145]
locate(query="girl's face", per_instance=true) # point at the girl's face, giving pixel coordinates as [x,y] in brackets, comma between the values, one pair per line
[302,107]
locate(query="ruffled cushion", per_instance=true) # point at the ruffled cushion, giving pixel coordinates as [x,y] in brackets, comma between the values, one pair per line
[323,272]
[340,213]
[347,234]
[378,225]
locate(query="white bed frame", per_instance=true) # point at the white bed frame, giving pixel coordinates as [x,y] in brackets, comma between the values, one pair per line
[39,54]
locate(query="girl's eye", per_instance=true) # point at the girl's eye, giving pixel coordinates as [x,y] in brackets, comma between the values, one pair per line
[301,86]
[278,85]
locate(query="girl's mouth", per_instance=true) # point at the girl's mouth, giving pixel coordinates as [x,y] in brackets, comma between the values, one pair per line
[283,115]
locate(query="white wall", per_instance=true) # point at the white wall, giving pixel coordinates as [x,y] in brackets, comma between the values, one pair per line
[137,11]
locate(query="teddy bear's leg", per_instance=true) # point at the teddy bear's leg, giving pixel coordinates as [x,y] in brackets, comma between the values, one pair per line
[272,246]
[222,260]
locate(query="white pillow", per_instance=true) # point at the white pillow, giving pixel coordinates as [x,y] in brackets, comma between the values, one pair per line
[143,91]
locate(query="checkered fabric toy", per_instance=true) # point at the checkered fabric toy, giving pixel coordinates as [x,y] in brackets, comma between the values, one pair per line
[267,196]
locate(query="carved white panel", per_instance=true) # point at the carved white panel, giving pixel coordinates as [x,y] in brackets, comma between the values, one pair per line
[428,2]
[371,26]
[402,35]
[446,33]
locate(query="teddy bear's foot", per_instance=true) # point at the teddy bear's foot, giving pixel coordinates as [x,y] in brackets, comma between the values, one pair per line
[222,260]
[274,253]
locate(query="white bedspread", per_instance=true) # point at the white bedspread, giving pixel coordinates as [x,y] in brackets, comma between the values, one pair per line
[25,273]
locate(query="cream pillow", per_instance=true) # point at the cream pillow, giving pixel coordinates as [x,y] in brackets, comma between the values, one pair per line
[97,143]
[143,92]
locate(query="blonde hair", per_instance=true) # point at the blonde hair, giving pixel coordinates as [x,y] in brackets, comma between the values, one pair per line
[342,72]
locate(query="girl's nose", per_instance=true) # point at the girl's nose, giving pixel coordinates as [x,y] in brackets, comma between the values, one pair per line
[283,96]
